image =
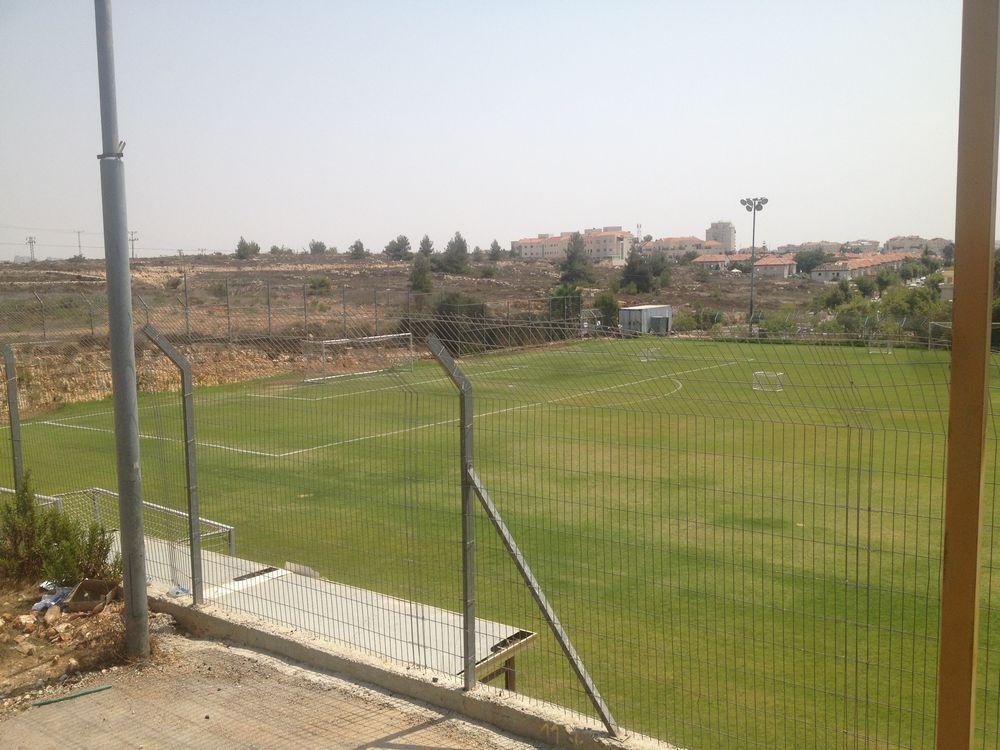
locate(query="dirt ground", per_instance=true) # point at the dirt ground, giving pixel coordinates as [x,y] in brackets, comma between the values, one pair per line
[156,279]
[38,649]
[203,694]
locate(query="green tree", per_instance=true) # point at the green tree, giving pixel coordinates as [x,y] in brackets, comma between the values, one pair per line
[687,257]
[606,304]
[420,275]
[496,252]
[576,267]
[930,261]
[398,249]
[357,250]
[426,246]
[565,302]
[246,250]
[455,258]
[807,260]
[637,275]
[647,238]
[317,247]
[948,254]
[885,279]
[866,285]
[477,254]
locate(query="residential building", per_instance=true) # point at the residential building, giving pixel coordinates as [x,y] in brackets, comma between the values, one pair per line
[676,247]
[775,266]
[607,244]
[862,247]
[851,267]
[544,246]
[724,233]
[915,244]
[823,245]
[712,262]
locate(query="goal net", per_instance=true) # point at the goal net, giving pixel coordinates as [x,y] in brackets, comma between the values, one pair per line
[879,347]
[335,358]
[651,355]
[766,380]
[939,332]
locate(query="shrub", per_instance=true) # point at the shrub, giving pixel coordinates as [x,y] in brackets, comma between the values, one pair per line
[38,543]
[319,284]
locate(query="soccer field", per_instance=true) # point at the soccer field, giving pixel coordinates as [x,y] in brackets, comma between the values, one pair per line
[737,566]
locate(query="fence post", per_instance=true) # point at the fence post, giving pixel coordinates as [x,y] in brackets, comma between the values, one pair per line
[376,311]
[187,309]
[41,307]
[190,456]
[509,333]
[269,309]
[305,311]
[468,510]
[229,314]
[14,415]
[90,312]
[343,308]
[975,217]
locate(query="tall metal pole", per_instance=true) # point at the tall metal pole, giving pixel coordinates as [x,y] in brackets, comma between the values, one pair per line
[187,309]
[753,268]
[14,414]
[975,217]
[122,344]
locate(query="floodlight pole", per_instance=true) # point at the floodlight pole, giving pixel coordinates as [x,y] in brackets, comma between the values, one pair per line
[753,205]
[122,344]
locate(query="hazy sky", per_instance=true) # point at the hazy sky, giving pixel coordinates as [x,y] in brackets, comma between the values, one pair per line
[288,120]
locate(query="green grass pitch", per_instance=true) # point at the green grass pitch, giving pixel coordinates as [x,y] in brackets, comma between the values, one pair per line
[738,568]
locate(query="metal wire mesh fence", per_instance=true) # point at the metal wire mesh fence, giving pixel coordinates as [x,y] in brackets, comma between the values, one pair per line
[742,538]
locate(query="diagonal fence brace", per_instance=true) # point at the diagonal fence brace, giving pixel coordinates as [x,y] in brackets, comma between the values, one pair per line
[471,484]
[543,603]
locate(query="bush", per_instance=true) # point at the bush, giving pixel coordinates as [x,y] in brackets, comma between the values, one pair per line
[37,543]
[489,272]
[319,285]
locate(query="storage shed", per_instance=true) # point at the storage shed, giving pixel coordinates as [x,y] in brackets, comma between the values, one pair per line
[646,319]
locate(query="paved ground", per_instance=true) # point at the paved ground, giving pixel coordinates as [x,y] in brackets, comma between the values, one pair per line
[201,694]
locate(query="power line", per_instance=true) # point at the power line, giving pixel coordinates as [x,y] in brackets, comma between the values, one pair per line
[30,242]
[132,237]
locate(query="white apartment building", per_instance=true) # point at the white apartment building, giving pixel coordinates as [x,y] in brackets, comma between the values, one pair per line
[724,233]
[912,243]
[609,244]
[544,246]
[675,247]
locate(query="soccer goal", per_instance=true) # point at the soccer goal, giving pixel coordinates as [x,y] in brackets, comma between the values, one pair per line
[652,355]
[880,347]
[362,355]
[766,380]
[939,331]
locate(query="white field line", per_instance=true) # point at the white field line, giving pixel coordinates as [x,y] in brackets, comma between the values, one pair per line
[162,438]
[401,431]
[505,411]
[397,386]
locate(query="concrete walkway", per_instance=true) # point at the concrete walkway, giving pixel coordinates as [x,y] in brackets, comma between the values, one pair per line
[202,694]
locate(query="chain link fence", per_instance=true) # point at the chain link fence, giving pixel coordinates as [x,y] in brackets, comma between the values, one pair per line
[740,537]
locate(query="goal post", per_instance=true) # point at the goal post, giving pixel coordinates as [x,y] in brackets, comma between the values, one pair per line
[358,355]
[768,380]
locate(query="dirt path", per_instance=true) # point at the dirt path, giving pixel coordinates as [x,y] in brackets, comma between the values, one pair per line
[201,694]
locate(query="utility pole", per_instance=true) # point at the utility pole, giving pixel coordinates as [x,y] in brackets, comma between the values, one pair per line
[30,242]
[79,242]
[132,237]
[122,344]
